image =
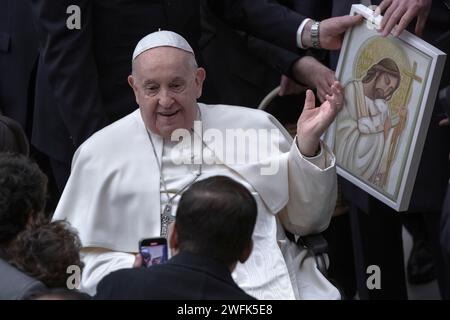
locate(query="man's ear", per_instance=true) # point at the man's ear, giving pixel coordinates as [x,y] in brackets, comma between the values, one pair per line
[131,82]
[134,87]
[199,79]
[246,252]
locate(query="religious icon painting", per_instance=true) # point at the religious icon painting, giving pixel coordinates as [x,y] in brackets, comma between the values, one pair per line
[390,88]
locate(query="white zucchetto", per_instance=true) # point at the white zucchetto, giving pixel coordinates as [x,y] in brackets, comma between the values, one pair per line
[161,39]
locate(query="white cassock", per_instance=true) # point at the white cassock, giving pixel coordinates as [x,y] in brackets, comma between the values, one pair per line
[360,145]
[114,195]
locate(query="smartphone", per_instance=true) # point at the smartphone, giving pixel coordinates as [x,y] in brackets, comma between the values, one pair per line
[153,251]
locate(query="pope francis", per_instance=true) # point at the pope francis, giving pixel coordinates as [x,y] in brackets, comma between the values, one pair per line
[126,179]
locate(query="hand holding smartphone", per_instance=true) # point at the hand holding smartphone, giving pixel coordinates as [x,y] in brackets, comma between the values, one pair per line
[153,251]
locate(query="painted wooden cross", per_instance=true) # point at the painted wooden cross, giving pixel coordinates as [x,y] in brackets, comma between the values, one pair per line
[412,76]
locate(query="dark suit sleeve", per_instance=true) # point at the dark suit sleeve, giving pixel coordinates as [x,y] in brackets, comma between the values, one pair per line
[114,286]
[68,56]
[265,19]
[105,288]
[278,58]
[123,284]
[315,9]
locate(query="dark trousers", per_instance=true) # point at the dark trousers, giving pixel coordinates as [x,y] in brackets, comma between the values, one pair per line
[61,173]
[377,241]
[340,251]
[53,192]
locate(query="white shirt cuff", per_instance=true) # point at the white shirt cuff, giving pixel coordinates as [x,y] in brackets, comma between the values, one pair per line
[299,33]
[324,160]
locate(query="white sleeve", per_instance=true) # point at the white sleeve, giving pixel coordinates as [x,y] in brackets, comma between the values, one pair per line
[312,191]
[99,262]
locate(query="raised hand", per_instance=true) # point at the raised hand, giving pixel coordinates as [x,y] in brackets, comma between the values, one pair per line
[313,122]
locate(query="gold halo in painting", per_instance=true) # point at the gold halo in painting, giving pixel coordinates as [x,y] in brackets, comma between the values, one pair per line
[375,49]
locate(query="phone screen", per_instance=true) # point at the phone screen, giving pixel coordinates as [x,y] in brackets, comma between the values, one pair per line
[153,251]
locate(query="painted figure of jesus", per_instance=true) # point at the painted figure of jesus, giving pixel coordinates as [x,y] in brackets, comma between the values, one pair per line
[365,128]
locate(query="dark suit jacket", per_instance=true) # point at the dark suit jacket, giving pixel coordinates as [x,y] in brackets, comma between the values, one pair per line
[82,74]
[242,68]
[185,276]
[18,57]
[16,285]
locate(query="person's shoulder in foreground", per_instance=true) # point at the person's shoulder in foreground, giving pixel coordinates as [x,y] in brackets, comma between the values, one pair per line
[186,276]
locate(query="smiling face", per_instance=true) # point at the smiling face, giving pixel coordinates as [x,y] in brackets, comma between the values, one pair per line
[167,84]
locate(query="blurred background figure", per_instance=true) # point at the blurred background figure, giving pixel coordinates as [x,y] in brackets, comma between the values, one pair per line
[18,60]
[19,56]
